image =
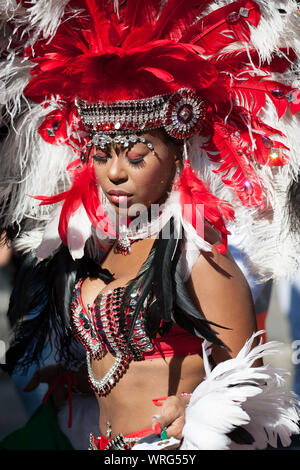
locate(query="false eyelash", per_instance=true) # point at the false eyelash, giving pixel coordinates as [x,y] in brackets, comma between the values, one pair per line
[99,159]
[138,163]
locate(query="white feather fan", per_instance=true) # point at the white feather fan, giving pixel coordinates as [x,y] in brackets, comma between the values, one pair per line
[234,394]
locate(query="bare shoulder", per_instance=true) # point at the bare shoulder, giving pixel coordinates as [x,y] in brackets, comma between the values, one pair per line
[221,292]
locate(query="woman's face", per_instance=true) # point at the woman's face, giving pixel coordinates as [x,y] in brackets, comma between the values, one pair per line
[135,175]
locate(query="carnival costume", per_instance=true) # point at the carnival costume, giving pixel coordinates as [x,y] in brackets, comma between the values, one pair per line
[219,77]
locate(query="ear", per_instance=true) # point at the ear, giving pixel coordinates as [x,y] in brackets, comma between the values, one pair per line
[179,160]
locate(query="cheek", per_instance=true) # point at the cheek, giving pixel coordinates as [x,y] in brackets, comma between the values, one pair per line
[155,179]
[100,174]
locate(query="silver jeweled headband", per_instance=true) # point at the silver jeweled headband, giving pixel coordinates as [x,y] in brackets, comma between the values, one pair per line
[180,114]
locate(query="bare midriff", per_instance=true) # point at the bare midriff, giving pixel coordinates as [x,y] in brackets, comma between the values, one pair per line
[129,406]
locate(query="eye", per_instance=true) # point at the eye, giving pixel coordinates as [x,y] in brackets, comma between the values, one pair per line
[136,158]
[100,156]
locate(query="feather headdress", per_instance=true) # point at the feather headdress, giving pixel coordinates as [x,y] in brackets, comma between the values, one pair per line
[235,61]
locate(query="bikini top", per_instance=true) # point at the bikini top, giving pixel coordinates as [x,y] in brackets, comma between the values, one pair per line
[103,329]
[91,328]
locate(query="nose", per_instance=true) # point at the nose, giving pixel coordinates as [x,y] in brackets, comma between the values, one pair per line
[116,170]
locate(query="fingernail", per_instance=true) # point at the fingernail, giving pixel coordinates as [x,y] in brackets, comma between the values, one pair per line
[155,417]
[157,428]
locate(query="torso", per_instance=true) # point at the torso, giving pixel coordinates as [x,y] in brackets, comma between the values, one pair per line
[129,406]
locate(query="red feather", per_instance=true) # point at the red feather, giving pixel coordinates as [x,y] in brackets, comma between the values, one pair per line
[269,152]
[214,31]
[252,94]
[177,16]
[118,73]
[84,191]
[194,192]
[101,24]
[236,60]
[234,162]
[294,100]
[140,12]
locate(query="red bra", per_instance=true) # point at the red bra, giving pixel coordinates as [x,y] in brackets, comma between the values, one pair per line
[90,327]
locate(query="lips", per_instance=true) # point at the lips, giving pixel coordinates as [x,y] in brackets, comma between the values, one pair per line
[118,193]
[119,197]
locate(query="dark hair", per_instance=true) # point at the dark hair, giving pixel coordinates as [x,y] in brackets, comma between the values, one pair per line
[293,205]
[43,291]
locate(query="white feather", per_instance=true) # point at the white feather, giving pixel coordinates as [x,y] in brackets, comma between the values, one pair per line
[31,166]
[79,231]
[43,17]
[236,394]
[51,239]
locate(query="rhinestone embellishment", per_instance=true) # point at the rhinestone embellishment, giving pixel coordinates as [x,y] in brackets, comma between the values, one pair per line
[103,329]
[184,114]
[181,114]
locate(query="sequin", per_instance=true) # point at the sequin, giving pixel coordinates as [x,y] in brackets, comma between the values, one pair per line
[104,328]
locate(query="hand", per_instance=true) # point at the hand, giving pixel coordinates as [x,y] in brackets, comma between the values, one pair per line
[60,392]
[48,375]
[172,417]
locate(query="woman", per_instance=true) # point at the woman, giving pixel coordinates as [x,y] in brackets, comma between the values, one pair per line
[136,89]
[216,286]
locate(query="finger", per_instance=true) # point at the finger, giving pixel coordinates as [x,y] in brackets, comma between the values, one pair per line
[168,414]
[175,429]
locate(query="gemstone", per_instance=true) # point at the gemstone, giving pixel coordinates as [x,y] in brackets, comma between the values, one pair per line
[50,132]
[56,125]
[233,17]
[290,97]
[244,12]
[274,154]
[185,114]
[248,188]
[117,125]
[267,142]
[277,93]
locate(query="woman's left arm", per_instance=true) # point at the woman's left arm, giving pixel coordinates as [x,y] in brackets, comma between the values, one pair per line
[221,293]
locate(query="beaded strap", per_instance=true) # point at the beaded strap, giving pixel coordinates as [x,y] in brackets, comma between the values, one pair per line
[107,322]
[84,328]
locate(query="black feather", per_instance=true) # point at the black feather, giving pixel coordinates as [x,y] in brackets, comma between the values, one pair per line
[200,325]
[163,272]
[241,436]
[40,308]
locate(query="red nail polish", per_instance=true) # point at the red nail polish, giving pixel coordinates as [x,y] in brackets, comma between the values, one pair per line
[157,428]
